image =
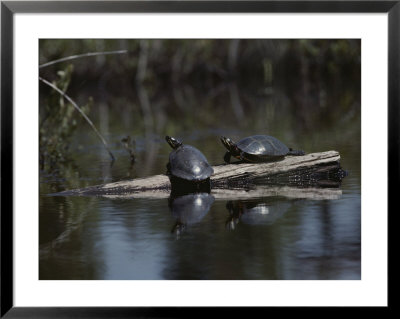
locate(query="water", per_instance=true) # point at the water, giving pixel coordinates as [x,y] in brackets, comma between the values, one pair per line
[133,238]
[310,102]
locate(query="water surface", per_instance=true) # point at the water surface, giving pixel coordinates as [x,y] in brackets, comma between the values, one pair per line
[274,238]
[202,237]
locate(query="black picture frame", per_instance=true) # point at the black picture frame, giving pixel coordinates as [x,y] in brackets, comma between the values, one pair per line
[9,8]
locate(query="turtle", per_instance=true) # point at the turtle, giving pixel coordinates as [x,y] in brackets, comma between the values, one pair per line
[187,163]
[257,148]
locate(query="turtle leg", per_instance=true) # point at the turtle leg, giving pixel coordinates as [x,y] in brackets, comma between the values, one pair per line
[227,157]
[168,168]
[242,157]
[296,152]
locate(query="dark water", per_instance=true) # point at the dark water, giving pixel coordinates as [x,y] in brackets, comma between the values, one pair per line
[202,237]
[304,92]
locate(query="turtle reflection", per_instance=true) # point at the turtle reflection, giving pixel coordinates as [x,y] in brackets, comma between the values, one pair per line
[255,212]
[189,209]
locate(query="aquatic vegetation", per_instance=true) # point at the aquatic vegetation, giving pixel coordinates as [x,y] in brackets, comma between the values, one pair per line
[57,122]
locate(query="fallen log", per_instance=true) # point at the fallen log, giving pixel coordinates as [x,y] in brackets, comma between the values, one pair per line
[294,171]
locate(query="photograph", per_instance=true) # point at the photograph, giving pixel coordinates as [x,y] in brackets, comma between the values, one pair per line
[199,159]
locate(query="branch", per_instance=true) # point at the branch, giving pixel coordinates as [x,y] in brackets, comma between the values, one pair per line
[72,57]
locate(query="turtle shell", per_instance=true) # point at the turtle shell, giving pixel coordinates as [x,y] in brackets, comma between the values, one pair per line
[263,146]
[188,163]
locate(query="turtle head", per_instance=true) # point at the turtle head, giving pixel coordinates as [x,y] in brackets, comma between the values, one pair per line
[229,144]
[173,142]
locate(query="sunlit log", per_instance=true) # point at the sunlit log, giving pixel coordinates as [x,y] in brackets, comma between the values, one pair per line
[241,180]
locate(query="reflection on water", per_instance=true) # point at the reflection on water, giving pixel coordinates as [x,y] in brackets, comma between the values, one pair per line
[255,212]
[288,231]
[189,209]
[273,238]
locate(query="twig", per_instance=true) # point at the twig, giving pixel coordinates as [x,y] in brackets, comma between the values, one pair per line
[81,112]
[72,57]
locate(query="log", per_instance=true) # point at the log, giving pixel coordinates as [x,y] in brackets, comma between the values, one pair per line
[238,178]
